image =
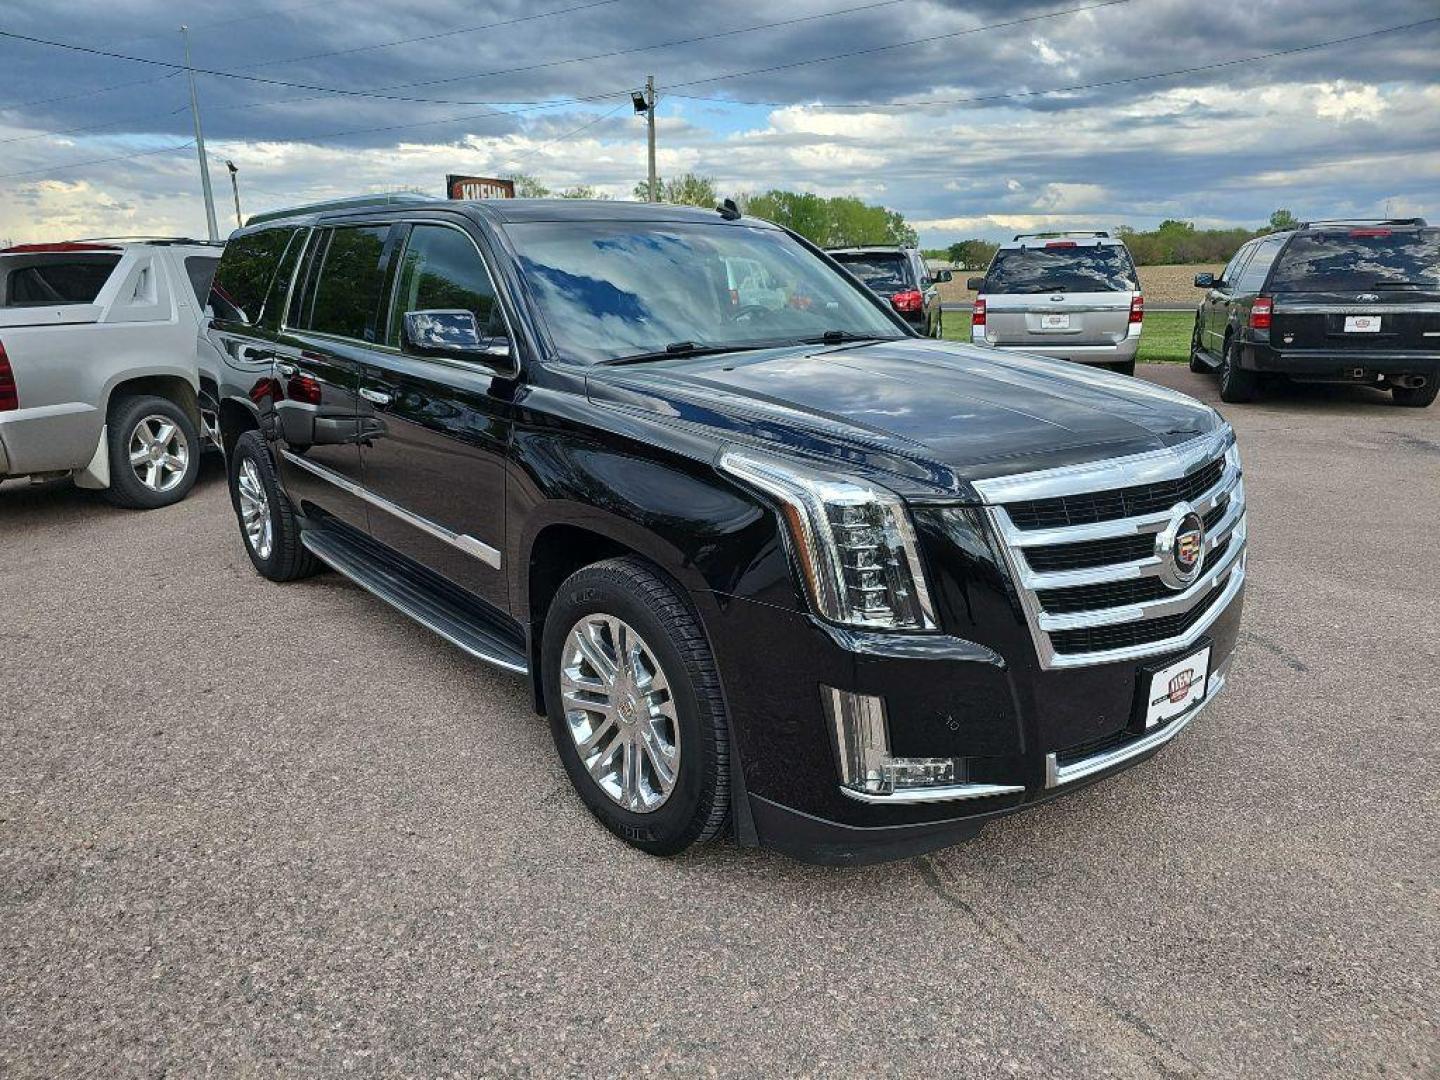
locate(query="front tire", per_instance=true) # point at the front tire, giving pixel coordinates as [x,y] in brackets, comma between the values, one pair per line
[1237,385]
[1415,397]
[154,452]
[1197,365]
[635,706]
[267,521]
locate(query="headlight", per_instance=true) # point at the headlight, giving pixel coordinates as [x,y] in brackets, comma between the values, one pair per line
[854,543]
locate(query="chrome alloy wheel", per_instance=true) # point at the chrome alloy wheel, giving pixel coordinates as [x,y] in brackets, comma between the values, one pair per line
[620,712]
[159,453]
[255,510]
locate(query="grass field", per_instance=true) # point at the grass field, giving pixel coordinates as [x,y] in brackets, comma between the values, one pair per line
[1165,340]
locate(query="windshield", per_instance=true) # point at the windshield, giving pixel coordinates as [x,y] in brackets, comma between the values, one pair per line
[1098,268]
[883,273]
[1361,259]
[609,289]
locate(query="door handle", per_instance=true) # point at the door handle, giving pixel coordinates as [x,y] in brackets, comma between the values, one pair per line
[286,369]
[377,397]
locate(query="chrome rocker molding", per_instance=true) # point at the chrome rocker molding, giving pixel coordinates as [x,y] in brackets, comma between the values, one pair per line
[935,794]
[1057,775]
[484,552]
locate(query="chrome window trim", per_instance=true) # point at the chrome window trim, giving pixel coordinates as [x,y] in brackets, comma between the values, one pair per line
[1057,775]
[463,541]
[1165,464]
[948,793]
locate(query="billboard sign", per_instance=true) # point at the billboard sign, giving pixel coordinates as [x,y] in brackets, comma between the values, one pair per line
[478,187]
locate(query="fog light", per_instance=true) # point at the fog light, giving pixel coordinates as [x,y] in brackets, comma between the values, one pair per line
[862,747]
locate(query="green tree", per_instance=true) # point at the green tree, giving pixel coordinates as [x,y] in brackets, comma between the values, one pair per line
[836,222]
[972,254]
[581,191]
[527,187]
[1281,220]
[691,189]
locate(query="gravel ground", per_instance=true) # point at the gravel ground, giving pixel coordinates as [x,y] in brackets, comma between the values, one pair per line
[260,830]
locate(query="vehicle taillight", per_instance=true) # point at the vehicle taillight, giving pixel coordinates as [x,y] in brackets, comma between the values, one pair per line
[304,388]
[1369,232]
[1137,309]
[977,314]
[1260,313]
[9,392]
[908,301]
[1060,243]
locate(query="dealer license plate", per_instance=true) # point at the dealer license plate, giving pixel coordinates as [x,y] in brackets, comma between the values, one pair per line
[1177,688]
[1362,324]
[1055,322]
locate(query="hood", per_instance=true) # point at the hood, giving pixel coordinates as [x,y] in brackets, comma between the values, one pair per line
[935,415]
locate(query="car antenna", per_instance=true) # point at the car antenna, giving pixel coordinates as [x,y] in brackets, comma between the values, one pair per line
[728,210]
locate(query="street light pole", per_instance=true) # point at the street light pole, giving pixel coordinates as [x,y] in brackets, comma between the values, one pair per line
[235,187]
[200,142]
[650,121]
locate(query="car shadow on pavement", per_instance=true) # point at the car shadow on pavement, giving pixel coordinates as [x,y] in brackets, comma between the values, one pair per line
[55,499]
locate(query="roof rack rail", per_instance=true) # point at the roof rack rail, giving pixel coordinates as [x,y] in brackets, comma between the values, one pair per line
[354,202]
[1420,221]
[1101,233]
[157,240]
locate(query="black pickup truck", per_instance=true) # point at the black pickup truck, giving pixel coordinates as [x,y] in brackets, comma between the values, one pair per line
[777,565]
[1331,301]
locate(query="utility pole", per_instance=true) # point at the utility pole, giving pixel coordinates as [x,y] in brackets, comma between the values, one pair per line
[200,143]
[650,121]
[235,187]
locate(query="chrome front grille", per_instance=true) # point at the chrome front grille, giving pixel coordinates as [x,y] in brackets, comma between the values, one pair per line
[1081,547]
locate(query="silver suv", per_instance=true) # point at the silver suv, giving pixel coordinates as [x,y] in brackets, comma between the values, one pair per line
[1073,296]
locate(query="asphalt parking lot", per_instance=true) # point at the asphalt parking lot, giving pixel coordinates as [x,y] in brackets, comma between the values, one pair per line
[259,830]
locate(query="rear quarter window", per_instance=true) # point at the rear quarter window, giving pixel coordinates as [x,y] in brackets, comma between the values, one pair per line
[69,280]
[1094,268]
[200,269]
[243,276]
[1360,259]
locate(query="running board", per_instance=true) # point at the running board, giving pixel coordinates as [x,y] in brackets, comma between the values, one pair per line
[1205,355]
[464,625]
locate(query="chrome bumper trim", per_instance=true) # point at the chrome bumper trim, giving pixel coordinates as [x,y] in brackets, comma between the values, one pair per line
[1057,775]
[935,794]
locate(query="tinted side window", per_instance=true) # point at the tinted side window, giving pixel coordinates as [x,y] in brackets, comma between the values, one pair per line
[350,283]
[442,271]
[200,269]
[877,269]
[1253,276]
[67,281]
[244,274]
[1236,263]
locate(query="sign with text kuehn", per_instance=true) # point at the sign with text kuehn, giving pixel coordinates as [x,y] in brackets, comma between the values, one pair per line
[478,187]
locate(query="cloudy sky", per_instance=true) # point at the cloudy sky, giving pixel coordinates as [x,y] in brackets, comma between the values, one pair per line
[967,127]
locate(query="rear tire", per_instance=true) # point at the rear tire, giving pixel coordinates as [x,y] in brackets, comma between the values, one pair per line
[623,640]
[939,327]
[267,521]
[154,452]
[1237,385]
[1416,397]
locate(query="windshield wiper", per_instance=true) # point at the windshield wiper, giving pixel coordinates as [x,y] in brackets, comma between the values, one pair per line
[839,337]
[678,349]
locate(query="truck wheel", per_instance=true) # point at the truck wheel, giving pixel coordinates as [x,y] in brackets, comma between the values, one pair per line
[267,521]
[939,327]
[154,452]
[1196,364]
[1415,397]
[635,706]
[1236,384]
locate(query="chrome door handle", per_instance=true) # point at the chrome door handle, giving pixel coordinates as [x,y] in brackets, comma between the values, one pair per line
[378,397]
[286,369]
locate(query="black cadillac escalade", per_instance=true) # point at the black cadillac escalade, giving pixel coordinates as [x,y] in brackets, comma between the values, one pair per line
[776,566]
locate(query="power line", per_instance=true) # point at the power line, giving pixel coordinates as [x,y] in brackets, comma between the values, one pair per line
[91,93]
[98,161]
[570,134]
[1055,89]
[92,127]
[433,37]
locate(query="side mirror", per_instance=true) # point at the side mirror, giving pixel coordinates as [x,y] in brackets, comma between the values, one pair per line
[453,334]
[1206,281]
[975,284]
[943,276]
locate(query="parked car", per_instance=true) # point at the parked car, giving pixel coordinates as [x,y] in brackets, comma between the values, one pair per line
[755,568]
[1331,301]
[901,277]
[1074,296]
[98,371]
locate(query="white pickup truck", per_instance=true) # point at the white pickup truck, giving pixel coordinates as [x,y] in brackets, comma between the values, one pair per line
[98,368]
